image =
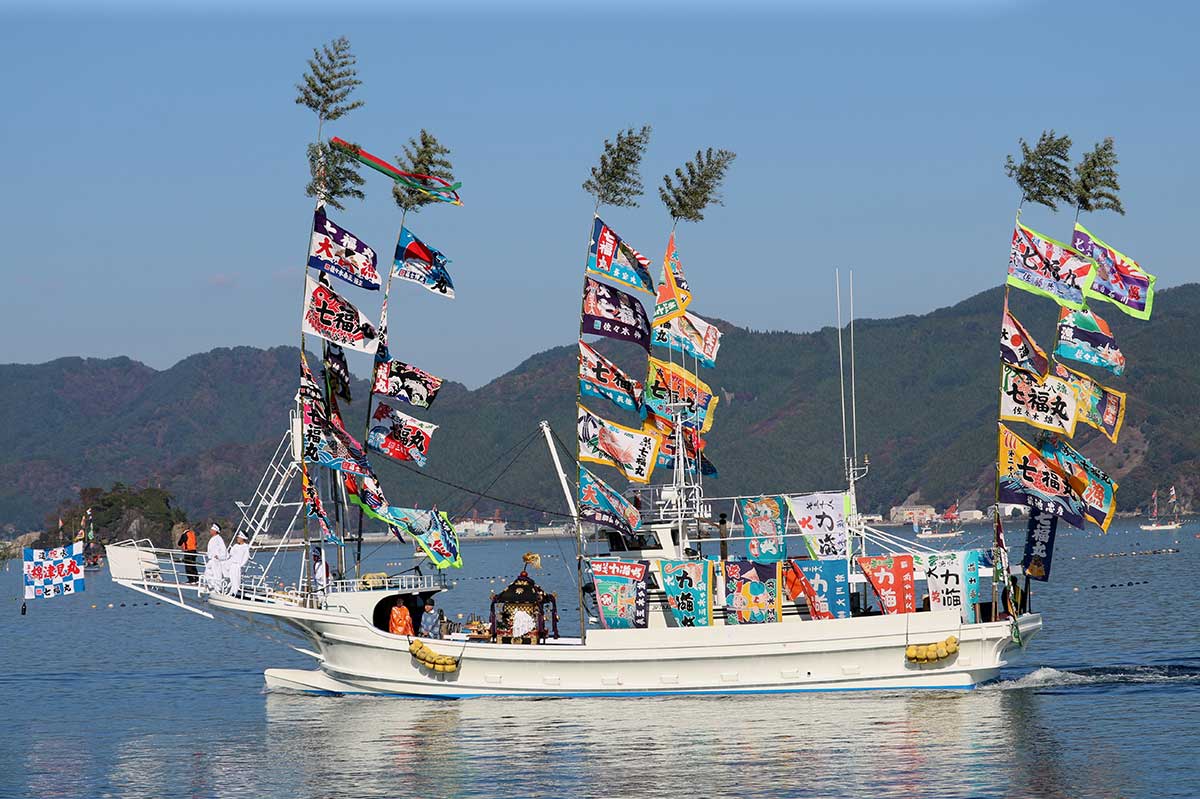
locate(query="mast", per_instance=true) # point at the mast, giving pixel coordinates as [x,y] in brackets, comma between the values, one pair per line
[566,489]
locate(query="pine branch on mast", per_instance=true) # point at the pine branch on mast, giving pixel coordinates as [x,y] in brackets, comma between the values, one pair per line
[423,155]
[616,180]
[696,186]
[1044,172]
[325,90]
[1095,187]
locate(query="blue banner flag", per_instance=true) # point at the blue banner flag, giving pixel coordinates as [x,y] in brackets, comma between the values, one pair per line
[53,572]
[688,585]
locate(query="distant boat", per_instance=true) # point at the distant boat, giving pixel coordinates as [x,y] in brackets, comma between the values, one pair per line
[1155,524]
[949,519]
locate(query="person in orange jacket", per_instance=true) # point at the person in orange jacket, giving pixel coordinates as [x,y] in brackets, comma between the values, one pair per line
[187,542]
[400,620]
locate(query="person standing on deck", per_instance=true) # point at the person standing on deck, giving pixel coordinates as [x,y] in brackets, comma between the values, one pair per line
[239,554]
[216,557]
[400,620]
[430,625]
[320,574]
[187,542]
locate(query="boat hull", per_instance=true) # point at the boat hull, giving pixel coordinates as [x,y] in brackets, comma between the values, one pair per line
[838,654]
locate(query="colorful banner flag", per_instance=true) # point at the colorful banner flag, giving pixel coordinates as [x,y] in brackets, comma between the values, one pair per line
[432,531]
[1039,545]
[419,263]
[601,441]
[691,335]
[601,503]
[313,507]
[610,257]
[944,577]
[892,578]
[670,383]
[1085,337]
[337,371]
[1046,402]
[601,378]
[612,313]
[1018,347]
[824,585]
[332,317]
[365,492]
[1119,279]
[822,520]
[329,444]
[973,563]
[337,252]
[1095,488]
[399,380]
[620,592]
[53,572]
[400,436]
[313,410]
[1028,478]
[688,585]
[673,297]
[1041,265]
[765,522]
[1099,406]
[752,592]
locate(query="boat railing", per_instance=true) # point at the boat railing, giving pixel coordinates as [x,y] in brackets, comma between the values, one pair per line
[160,572]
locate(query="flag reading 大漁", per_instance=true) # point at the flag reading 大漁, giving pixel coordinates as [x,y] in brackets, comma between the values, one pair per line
[1085,337]
[1119,279]
[612,313]
[765,523]
[891,576]
[621,592]
[823,584]
[601,441]
[334,318]
[1046,402]
[669,384]
[1092,485]
[822,519]
[601,378]
[688,585]
[53,572]
[690,335]
[400,436]
[610,257]
[601,503]
[1041,265]
[943,573]
[1098,406]
[419,263]
[1027,478]
[337,252]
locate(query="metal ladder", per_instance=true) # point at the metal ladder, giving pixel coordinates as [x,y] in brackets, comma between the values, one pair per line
[259,513]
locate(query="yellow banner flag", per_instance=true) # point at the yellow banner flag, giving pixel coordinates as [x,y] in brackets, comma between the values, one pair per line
[669,383]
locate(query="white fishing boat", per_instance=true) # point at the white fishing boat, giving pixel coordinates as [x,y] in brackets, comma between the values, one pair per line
[818,601]
[1156,523]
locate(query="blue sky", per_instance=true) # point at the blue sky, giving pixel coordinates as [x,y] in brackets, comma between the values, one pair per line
[154,159]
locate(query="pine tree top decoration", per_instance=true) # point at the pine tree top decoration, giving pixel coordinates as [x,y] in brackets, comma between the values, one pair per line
[423,155]
[617,179]
[334,175]
[1096,187]
[330,80]
[1044,172]
[697,185]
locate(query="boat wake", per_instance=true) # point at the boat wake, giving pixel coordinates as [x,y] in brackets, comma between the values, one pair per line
[1100,676]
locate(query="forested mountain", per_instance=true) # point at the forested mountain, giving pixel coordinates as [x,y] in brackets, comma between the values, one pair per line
[927,398]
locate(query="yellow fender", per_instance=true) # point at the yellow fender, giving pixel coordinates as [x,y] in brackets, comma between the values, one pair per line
[931,653]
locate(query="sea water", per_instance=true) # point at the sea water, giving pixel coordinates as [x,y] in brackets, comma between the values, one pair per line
[108,693]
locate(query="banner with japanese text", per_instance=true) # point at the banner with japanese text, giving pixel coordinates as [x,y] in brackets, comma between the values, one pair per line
[690,335]
[765,522]
[600,441]
[612,313]
[1094,487]
[688,585]
[822,519]
[432,531]
[944,578]
[337,252]
[1026,478]
[1039,545]
[1097,406]
[332,317]
[893,580]
[1119,279]
[620,592]
[417,262]
[669,383]
[399,436]
[53,572]
[973,564]
[752,592]
[611,257]
[601,503]
[601,378]
[1018,347]
[1047,402]
[1041,265]
[1085,337]
[824,584]
[672,297]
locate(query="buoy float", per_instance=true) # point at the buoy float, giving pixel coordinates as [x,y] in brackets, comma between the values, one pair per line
[931,653]
[432,660]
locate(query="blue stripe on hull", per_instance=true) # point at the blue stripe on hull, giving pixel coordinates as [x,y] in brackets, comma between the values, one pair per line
[628,694]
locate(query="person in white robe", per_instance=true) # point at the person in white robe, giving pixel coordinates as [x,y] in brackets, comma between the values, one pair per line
[239,554]
[216,558]
[320,575]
